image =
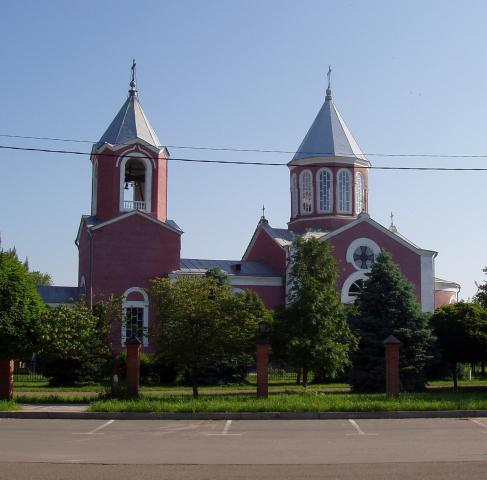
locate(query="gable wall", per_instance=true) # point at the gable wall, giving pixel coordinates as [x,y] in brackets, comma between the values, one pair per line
[409,262]
[265,249]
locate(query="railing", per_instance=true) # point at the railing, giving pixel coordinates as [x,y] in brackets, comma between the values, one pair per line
[134,205]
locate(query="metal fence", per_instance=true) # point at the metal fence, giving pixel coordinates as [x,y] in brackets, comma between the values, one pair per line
[26,371]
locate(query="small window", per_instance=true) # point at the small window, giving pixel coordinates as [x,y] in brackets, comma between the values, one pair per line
[306,186]
[325,191]
[134,322]
[359,193]
[363,257]
[344,191]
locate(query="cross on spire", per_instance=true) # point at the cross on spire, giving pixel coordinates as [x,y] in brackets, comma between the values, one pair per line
[392,227]
[133,82]
[328,90]
[263,211]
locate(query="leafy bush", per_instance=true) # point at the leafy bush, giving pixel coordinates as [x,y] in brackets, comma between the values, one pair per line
[154,370]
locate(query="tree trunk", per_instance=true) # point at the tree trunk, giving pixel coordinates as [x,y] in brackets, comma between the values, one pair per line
[482,366]
[305,377]
[473,369]
[194,379]
[455,377]
[298,377]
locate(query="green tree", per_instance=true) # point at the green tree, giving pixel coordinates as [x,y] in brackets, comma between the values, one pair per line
[481,296]
[387,306]
[202,322]
[74,344]
[20,309]
[312,332]
[461,329]
[219,275]
[40,278]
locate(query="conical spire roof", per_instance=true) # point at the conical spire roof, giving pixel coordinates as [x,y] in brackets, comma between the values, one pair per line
[328,137]
[130,123]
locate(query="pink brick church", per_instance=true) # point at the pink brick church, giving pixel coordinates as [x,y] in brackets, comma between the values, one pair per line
[127,240]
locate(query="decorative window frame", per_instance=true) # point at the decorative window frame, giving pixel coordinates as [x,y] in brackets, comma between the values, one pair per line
[360,193]
[359,242]
[355,276]
[349,197]
[136,304]
[318,191]
[294,195]
[302,191]
[149,164]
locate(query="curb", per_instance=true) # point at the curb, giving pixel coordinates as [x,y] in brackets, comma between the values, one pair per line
[245,415]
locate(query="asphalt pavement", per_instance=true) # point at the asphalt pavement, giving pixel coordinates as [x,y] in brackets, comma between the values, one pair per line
[341,449]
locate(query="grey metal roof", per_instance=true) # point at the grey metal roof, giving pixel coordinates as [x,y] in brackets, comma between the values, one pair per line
[196,265]
[58,294]
[328,136]
[130,123]
[283,236]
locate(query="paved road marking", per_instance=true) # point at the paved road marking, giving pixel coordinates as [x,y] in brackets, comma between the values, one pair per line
[97,429]
[359,430]
[228,423]
[478,422]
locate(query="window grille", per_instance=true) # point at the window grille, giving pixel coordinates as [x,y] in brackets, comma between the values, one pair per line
[359,193]
[134,322]
[306,192]
[344,192]
[294,196]
[325,191]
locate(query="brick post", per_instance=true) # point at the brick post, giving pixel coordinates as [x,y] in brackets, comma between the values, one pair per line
[392,345]
[133,365]
[6,379]
[262,358]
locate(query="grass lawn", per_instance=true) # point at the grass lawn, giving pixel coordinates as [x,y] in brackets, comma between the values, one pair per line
[8,405]
[303,402]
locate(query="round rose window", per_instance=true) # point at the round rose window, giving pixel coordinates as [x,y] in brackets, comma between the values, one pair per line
[363,257]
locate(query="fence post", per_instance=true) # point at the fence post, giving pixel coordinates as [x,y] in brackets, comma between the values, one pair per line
[133,365]
[392,345]
[6,379]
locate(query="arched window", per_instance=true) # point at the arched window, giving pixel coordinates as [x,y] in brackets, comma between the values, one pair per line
[344,191]
[294,195]
[306,187]
[135,183]
[353,286]
[325,195]
[135,318]
[356,288]
[359,193]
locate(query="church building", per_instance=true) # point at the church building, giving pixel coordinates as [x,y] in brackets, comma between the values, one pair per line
[127,239]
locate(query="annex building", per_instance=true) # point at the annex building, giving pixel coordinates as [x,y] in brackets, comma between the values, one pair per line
[127,239]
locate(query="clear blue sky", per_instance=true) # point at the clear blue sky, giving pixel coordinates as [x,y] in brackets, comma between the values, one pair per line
[408,77]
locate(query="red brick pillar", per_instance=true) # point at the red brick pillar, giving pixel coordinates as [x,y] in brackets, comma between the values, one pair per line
[262,358]
[392,345]
[133,366]
[6,379]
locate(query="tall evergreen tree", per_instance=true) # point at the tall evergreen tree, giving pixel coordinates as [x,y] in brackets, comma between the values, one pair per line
[387,306]
[312,332]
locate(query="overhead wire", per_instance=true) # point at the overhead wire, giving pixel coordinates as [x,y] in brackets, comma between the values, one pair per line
[256,150]
[236,162]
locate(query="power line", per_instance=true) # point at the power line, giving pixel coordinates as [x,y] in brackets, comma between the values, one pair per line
[256,150]
[236,162]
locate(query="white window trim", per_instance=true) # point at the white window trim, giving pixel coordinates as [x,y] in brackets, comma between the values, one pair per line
[318,191]
[359,242]
[339,190]
[294,195]
[360,275]
[301,192]
[148,179]
[360,193]
[136,304]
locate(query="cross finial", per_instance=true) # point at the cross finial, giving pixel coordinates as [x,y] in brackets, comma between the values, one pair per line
[328,90]
[133,83]
[392,227]
[263,211]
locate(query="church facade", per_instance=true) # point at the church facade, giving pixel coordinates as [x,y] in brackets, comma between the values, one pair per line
[127,239]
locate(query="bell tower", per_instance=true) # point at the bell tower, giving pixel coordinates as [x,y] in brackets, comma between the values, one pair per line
[129,164]
[328,173]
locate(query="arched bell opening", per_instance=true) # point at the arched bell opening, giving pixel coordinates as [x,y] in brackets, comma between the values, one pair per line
[135,184]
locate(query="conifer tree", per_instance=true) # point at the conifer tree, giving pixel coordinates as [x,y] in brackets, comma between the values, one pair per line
[312,332]
[387,306]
